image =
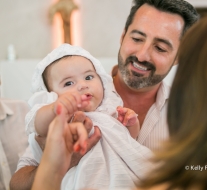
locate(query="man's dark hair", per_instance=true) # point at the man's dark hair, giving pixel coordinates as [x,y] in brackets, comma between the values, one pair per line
[180,7]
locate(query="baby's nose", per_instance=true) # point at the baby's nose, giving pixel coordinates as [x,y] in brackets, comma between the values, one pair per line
[82,87]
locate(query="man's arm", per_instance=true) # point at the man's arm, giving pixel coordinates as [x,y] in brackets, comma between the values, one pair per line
[23,178]
[26,169]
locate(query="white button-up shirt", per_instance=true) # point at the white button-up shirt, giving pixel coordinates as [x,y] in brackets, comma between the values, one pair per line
[154,128]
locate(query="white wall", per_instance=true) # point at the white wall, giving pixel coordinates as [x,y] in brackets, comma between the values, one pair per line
[102,24]
[98,26]
[24,23]
[198,3]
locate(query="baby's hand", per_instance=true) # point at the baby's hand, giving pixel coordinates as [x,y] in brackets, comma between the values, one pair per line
[126,116]
[70,103]
[129,119]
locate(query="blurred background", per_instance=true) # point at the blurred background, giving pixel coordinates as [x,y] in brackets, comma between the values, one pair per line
[95,25]
[28,33]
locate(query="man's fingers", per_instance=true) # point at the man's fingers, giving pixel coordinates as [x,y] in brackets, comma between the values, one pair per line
[79,117]
[94,138]
[80,136]
[88,124]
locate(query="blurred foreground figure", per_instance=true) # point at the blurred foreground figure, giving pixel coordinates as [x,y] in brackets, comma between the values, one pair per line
[183,158]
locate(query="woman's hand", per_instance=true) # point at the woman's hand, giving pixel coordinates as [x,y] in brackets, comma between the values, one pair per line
[63,139]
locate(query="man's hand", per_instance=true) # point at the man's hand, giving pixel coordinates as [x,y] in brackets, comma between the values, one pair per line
[92,140]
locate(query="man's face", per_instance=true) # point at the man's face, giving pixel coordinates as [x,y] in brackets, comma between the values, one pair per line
[149,47]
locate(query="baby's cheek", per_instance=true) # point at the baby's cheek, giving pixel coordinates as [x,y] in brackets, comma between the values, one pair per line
[100,97]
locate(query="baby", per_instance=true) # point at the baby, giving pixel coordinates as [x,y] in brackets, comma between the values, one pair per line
[70,76]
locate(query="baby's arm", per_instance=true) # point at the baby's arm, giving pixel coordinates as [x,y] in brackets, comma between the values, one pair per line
[43,118]
[129,119]
[70,102]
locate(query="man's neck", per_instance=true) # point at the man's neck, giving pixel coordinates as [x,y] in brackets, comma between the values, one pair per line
[138,100]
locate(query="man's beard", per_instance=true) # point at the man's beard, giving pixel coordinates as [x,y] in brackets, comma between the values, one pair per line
[136,80]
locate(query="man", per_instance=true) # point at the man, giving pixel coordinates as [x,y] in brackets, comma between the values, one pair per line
[13,139]
[149,45]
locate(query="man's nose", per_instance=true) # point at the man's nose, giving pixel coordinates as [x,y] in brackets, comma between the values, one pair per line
[144,53]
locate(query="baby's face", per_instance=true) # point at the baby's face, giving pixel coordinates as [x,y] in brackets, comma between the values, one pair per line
[76,74]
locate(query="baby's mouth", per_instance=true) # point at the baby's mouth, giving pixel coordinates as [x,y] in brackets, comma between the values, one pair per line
[88,96]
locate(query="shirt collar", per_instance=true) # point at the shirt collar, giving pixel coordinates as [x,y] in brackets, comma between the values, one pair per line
[162,95]
[4,110]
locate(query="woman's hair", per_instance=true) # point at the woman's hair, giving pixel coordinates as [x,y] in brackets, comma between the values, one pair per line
[187,118]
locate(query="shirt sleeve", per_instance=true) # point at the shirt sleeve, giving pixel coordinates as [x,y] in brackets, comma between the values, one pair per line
[27,159]
[38,100]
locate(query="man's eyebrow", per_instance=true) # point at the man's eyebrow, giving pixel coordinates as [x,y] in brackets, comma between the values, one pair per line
[165,42]
[138,32]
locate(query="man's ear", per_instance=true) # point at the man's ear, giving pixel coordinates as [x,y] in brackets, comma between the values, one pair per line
[122,36]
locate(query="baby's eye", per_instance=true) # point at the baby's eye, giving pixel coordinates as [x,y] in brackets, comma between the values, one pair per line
[89,77]
[69,83]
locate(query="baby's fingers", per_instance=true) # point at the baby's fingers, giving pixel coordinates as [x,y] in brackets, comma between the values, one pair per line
[70,102]
[130,119]
[74,101]
[84,100]
[121,113]
[121,110]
